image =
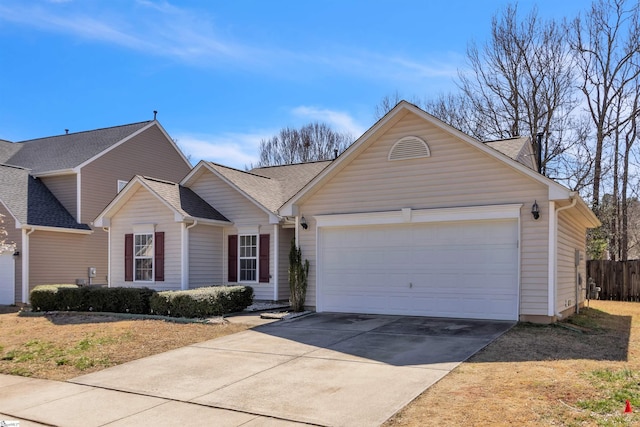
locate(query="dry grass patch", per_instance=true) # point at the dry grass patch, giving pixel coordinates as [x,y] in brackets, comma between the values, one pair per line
[544,376]
[65,345]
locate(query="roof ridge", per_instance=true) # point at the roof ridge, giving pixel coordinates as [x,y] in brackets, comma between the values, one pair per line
[164,181]
[83,131]
[504,139]
[14,166]
[238,170]
[293,164]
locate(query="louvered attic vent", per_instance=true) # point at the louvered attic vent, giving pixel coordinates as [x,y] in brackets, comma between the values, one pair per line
[409,147]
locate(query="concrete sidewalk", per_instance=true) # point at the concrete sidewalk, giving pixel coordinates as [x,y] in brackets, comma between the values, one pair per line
[323,369]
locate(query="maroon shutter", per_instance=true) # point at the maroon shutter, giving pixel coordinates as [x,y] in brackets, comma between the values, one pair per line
[128,257]
[159,256]
[233,258]
[263,260]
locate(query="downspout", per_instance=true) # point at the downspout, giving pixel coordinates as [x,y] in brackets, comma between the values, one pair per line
[108,231]
[185,255]
[574,199]
[276,260]
[25,264]
[297,231]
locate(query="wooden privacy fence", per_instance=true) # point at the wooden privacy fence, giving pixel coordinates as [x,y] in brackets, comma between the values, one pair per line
[618,280]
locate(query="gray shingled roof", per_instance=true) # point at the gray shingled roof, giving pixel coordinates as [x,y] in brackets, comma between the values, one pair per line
[183,199]
[31,202]
[7,149]
[515,148]
[272,186]
[66,151]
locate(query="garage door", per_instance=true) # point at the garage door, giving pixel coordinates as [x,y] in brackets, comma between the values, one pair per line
[466,269]
[7,281]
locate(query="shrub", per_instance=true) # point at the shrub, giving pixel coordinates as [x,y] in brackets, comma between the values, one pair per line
[202,302]
[45,297]
[100,299]
[298,273]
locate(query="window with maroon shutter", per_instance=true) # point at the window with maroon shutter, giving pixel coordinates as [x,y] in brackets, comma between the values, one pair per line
[232,270]
[128,257]
[264,259]
[159,256]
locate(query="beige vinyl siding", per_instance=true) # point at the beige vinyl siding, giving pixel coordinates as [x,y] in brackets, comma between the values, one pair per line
[228,201]
[244,214]
[59,257]
[455,175]
[286,235]
[149,154]
[571,236]
[14,236]
[205,256]
[144,208]
[64,188]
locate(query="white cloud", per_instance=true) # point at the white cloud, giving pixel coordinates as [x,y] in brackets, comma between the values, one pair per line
[338,120]
[231,149]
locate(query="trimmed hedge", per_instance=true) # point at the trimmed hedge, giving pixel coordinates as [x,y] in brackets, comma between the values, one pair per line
[89,298]
[202,302]
[45,297]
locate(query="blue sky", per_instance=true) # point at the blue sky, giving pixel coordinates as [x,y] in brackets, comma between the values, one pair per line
[225,74]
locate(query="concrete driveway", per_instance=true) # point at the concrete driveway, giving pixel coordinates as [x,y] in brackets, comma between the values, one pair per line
[323,369]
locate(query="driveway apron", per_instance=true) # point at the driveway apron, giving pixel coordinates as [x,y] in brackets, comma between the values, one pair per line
[323,369]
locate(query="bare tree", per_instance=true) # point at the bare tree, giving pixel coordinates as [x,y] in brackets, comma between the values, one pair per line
[4,245]
[521,83]
[312,142]
[607,47]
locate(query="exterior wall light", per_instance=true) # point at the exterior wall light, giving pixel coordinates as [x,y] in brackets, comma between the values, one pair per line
[16,253]
[303,223]
[535,210]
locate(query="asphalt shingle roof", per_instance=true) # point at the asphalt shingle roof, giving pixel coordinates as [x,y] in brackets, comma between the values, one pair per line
[7,149]
[65,151]
[515,148]
[31,202]
[272,186]
[183,199]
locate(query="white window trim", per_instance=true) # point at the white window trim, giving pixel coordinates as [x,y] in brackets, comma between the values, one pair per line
[257,258]
[153,257]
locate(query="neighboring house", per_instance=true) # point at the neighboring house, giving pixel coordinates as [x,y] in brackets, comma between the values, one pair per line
[414,218]
[52,188]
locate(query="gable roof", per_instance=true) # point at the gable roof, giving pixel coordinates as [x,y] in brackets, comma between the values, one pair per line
[182,201]
[67,151]
[31,203]
[556,190]
[268,187]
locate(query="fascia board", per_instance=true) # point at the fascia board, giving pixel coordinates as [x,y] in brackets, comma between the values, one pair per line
[60,172]
[205,221]
[55,229]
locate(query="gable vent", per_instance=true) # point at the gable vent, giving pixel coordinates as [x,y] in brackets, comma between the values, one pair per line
[409,147]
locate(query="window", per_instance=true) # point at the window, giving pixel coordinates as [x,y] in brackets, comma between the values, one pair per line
[248,257]
[143,257]
[121,184]
[246,252]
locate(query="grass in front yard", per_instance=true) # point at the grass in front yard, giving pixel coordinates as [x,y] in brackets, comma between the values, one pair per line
[65,345]
[575,374]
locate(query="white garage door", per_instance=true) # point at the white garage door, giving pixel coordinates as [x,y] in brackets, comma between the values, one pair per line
[456,269]
[7,281]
